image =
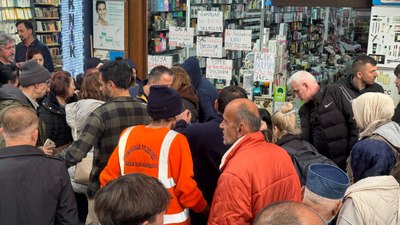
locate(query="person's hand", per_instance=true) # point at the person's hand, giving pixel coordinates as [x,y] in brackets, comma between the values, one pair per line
[185,115]
[47,150]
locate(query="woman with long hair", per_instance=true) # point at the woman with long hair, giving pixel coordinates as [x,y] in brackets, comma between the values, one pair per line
[90,97]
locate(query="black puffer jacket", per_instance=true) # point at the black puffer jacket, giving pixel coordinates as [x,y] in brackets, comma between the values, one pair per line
[347,82]
[54,119]
[327,123]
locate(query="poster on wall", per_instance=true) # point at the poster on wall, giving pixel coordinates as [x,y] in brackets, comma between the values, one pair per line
[239,40]
[384,36]
[209,47]
[386,79]
[210,21]
[108,25]
[158,60]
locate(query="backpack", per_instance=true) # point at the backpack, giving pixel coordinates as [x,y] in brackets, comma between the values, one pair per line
[305,156]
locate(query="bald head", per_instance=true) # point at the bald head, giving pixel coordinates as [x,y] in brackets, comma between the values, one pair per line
[287,213]
[304,85]
[20,126]
[246,112]
[241,117]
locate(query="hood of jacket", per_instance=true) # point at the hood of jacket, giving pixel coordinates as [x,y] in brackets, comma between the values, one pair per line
[192,67]
[78,112]
[391,132]
[8,92]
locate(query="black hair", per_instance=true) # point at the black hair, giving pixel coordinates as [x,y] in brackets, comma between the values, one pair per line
[34,51]
[99,3]
[397,70]
[361,61]
[8,72]
[28,24]
[228,94]
[118,72]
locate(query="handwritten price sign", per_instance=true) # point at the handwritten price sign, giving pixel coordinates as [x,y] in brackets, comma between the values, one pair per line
[264,66]
[181,36]
[209,47]
[239,40]
[219,69]
[158,60]
[210,21]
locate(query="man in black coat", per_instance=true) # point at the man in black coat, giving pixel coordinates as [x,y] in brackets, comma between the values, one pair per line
[34,188]
[363,78]
[326,117]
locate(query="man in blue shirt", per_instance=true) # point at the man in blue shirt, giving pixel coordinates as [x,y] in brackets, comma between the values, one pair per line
[28,41]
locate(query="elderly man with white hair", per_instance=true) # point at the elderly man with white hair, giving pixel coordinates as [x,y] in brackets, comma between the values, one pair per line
[326,116]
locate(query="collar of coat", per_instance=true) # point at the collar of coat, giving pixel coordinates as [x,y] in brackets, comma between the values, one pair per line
[237,147]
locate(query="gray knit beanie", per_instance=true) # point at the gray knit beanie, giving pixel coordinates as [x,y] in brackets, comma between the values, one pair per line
[32,73]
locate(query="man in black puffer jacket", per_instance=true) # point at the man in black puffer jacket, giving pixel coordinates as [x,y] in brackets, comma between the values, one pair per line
[326,117]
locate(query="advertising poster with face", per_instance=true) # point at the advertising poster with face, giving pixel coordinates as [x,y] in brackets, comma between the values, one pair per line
[108,25]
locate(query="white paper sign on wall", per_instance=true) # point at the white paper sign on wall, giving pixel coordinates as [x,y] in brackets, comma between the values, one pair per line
[158,60]
[209,47]
[181,36]
[239,40]
[210,21]
[219,69]
[264,66]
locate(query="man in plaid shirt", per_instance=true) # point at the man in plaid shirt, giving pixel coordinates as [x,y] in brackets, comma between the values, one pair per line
[105,124]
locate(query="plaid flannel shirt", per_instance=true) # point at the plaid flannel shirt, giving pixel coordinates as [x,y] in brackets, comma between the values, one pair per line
[102,130]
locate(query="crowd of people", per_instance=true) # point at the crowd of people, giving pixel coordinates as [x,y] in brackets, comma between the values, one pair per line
[105,148]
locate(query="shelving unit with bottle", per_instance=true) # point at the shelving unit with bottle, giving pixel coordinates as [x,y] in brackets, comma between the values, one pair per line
[48,25]
[237,14]
[163,14]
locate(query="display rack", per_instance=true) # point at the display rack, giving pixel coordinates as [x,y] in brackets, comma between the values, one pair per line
[48,25]
[237,14]
[10,12]
[162,15]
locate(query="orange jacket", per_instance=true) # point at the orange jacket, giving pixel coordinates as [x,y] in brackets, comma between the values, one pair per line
[254,174]
[142,154]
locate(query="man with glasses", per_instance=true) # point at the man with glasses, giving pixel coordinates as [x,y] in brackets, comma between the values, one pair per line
[7,51]
[34,85]
[326,117]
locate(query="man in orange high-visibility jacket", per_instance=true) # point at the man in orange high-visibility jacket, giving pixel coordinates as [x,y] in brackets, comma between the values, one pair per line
[158,151]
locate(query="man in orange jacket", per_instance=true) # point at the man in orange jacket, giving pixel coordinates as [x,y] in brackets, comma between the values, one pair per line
[158,151]
[254,173]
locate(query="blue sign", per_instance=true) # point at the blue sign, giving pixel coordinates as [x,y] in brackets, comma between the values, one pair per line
[386,2]
[72,36]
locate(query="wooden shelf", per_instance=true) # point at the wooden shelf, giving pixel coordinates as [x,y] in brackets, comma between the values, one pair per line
[47,18]
[48,32]
[46,4]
